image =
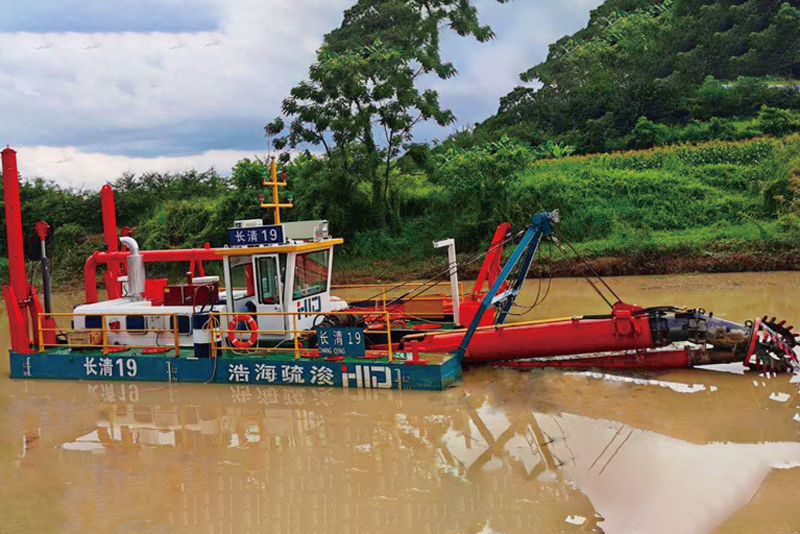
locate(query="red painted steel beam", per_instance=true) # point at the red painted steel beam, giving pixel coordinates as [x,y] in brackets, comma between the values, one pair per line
[13,211]
[149,256]
[538,340]
[110,238]
[491,264]
[17,322]
[17,297]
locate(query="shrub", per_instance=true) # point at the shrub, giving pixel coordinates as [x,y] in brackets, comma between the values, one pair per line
[178,223]
[478,184]
[721,129]
[777,121]
[646,134]
[71,247]
[66,236]
[749,94]
[711,99]
[597,133]
[789,227]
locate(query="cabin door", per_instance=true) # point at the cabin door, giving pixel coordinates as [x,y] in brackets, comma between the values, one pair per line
[269,294]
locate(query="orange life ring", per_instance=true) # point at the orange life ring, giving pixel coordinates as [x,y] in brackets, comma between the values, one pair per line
[251,325]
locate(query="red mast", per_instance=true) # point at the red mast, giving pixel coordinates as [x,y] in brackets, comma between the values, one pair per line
[17,293]
[111,239]
[16,255]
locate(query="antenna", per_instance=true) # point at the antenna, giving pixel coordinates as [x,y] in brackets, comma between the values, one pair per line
[276,204]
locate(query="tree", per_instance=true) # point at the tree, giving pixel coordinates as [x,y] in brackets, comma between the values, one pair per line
[362,98]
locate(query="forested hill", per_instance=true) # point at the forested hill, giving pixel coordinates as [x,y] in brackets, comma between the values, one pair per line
[671,62]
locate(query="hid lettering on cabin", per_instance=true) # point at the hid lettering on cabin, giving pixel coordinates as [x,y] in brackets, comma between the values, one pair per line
[308,307]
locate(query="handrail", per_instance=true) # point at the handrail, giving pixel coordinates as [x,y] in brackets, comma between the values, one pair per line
[395,286]
[214,331]
[105,330]
[294,331]
[384,292]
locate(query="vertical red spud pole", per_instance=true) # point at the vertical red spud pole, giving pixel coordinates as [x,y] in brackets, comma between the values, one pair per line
[110,237]
[18,283]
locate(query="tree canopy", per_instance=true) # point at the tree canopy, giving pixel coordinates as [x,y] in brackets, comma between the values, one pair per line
[363,98]
[658,60]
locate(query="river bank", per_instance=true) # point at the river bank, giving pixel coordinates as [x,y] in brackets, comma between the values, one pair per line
[362,271]
[643,263]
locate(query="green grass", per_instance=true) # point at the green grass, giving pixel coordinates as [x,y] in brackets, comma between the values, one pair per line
[734,238]
[718,197]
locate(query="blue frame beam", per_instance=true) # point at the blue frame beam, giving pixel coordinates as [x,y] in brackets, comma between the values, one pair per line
[540,227]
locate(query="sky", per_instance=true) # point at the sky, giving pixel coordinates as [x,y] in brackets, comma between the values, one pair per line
[90,89]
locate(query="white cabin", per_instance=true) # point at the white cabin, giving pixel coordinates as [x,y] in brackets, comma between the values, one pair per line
[290,275]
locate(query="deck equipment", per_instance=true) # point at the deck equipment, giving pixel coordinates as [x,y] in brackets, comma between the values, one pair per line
[630,336]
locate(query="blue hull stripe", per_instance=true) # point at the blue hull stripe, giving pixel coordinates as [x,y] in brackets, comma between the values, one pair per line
[366,374]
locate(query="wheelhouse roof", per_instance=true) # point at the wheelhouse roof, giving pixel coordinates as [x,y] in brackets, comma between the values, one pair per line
[275,249]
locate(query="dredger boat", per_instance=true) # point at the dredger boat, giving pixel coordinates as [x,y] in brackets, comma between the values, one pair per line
[275,321]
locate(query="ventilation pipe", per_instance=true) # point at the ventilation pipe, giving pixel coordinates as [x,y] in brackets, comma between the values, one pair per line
[136,274]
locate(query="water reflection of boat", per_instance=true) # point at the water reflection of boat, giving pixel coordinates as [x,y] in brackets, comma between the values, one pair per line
[388,460]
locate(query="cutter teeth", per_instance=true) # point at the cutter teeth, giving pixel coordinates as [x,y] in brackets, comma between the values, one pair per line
[775,351]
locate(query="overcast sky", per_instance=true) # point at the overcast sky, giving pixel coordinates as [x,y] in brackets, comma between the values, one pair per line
[90,89]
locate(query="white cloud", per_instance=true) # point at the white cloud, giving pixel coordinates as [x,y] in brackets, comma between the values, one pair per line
[488,71]
[54,86]
[164,96]
[71,167]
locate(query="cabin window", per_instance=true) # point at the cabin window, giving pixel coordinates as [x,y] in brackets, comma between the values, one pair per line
[242,279]
[311,273]
[269,290]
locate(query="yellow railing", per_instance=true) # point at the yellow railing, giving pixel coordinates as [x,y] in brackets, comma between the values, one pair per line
[105,330]
[222,318]
[215,326]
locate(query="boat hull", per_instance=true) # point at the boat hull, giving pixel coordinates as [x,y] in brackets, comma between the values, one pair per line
[441,371]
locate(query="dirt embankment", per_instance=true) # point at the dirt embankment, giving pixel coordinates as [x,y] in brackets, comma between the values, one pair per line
[638,264]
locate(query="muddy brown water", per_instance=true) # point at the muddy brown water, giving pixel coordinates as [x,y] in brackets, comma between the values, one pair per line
[504,451]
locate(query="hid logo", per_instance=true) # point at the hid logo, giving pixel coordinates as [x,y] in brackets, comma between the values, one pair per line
[367,377]
[308,307]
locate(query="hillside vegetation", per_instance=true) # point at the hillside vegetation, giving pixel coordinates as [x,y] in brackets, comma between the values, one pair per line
[646,72]
[730,200]
[736,201]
